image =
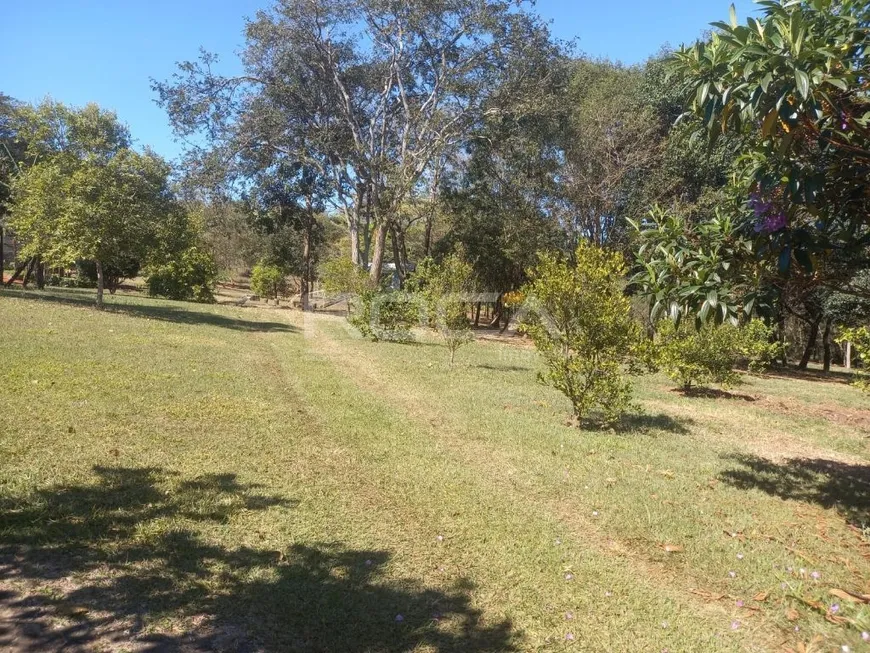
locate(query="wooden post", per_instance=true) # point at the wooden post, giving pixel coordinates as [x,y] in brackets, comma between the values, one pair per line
[848,355]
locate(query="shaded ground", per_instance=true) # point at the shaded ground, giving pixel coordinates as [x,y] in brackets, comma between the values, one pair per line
[93,584]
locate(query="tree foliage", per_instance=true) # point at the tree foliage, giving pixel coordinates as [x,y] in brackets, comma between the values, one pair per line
[580,321]
[693,355]
[268,281]
[794,84]
[447,289]
[700,271]
[371,94]
[190,275]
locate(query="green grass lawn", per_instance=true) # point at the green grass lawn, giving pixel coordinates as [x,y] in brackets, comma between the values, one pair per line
[180,477]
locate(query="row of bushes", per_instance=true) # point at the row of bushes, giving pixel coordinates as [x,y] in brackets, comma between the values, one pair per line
[580,320]
[190,276]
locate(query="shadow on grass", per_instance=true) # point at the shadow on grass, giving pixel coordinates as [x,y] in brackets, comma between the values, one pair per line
[712,393]
[634,423]
[503,368]
[828,483]
[792,372]
[120,563]
[167,313]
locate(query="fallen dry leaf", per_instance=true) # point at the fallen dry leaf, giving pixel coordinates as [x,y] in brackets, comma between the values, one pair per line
[709,596]
[792,615]
[852,597]
[761,597]
[667,473]
[673,548]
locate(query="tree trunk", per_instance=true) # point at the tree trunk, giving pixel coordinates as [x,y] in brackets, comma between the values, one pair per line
[354,244]
[40,274]
[305,285]
[18,270]
[2,252]
[811,344]
[826,343]
[398,260]
[100,285]
[427,237]
[378,255]
[477,316]
[30,267]
[781,336]
[496,319]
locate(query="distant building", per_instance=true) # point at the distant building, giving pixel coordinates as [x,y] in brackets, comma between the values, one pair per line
[390,268]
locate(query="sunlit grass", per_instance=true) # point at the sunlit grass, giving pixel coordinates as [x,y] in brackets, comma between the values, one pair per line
[239,476]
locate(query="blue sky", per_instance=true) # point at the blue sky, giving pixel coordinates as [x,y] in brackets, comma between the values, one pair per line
[106,51]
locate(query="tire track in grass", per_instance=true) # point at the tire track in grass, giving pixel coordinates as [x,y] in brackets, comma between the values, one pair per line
[462,453]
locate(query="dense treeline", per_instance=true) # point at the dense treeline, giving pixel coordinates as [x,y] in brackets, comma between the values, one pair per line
[731,175]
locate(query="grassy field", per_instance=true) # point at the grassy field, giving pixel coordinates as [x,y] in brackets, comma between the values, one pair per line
[183,477]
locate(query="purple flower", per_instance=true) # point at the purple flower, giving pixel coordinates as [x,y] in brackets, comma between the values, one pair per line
[733,574]
[735,625]
[835,608]
[768,218]
[569,616]
[440,538]
[739,603]
[569,637]
[399,618]
[368,563]
[815,575]
[569,576]
[865,636]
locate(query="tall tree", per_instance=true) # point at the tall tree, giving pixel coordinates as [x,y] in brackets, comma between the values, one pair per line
[67,210]
[369,93]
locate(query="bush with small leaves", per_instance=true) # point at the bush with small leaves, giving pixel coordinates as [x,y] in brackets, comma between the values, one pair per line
[387,315]
[692,355]
[269,282]
[580,321]
[445,289]
[189,276]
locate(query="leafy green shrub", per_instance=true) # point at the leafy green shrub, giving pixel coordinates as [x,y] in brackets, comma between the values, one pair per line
[444,289]
[340,276]
[860,339]
[386,315]
[699,356]
[580,322]
[189,276]
[114,274]
[57,281]
[268,281]
[758,346]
